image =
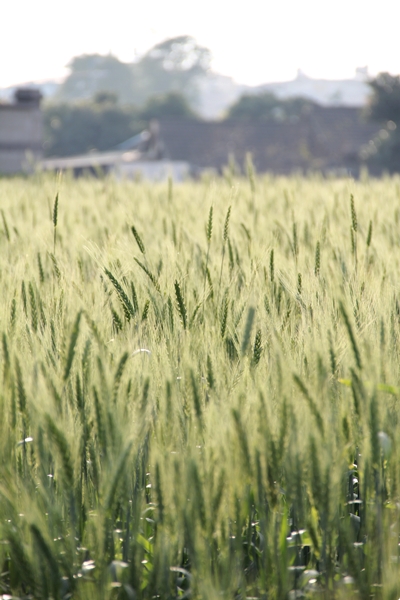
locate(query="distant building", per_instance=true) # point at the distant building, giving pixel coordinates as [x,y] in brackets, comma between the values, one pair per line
[124,165]
[139,157]
[218,92]
[21,132]
[326,139]
[48,89]
[327,92]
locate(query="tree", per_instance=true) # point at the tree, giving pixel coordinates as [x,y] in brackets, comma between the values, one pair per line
[101,124]
[384,107]
[384,103]
[167,105]
[175,65]
[81,127]
[103,98]
[92,74]
[267,107]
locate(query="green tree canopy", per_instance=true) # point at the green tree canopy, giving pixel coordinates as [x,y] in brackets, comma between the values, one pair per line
[267,107]
[92,74]
[384,104]
[174,65]
[101,124]
[172,104]
[384,107]
[71,129]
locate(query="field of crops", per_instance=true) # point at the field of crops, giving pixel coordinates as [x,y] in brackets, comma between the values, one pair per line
[200,388]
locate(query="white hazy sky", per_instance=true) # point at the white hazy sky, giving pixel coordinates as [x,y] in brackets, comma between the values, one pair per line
[255,41]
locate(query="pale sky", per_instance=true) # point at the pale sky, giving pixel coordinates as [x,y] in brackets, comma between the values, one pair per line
[256,41]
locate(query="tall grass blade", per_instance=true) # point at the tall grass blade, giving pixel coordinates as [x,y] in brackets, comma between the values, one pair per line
[59,439]
[72,346]
[118,374]
[149,274]
[311,403]
[117,475]
[349,328]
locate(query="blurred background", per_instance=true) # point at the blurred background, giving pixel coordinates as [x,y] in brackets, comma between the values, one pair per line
[298,88]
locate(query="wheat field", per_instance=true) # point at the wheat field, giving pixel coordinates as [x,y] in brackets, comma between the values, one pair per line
[200,388]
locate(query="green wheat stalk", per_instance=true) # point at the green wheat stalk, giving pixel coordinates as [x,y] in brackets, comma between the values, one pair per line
[180,304]
[258,347]
[116,320]
[46,551]
[243,441]
[55,221]
[197,489]
[317,265]
[34,314]
[55,266]
[170,313]
[225,238]
[295,242]
[159,494]
[149,274]
[209,229]
[196,397]
[23,296]
[210,373]
[118,473]
[134,298]
[118,375]
[354,227]
[311,403]
[64,451]
[40,267]
[271,265]
[100,421]
[353,342]
[369,236]
[13,313]
[146,309]
[128,309]
[19,558]
[6,230]
[20,388]
[138,240]
[6,355]
[224,316]
[299,284]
